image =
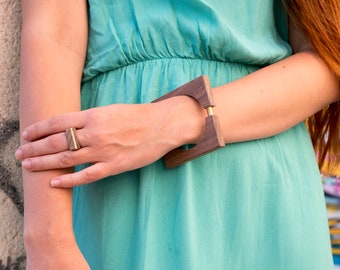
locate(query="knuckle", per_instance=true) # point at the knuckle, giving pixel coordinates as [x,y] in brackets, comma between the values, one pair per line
[55,122]
[118,160]
[96,135]
[71,181]
[92,114]
[66,160]
[88,176]
[54,142]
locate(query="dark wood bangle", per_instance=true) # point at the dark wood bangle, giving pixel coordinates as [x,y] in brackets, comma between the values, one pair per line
[212,137]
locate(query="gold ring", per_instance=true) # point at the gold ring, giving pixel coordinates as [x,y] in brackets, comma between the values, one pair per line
[72,139]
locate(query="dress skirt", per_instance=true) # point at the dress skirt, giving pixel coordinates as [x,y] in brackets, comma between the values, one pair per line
[255,205]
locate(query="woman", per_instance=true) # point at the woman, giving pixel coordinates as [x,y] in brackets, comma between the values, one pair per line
[255,204]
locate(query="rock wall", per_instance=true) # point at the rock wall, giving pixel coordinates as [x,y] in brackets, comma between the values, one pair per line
[12,254]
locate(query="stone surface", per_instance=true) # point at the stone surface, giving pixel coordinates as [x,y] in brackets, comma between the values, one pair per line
[12,255]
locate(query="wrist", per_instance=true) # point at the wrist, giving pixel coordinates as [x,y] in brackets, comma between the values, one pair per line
[61,255]
[45,231]
[207,136]
[186,121]
[47,238]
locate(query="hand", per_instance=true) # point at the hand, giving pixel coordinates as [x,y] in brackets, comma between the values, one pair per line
[114,138]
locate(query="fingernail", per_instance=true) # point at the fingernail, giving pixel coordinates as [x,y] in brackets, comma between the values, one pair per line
[27,164]
[55,182]
[19,154]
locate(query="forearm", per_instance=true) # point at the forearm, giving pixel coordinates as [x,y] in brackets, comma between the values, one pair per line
[261,104]
[49,85]
[41,96]
[256,106]
[275,98]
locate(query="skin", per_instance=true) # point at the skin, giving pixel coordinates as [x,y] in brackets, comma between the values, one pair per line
[115,141]
[51,32]
[112,138]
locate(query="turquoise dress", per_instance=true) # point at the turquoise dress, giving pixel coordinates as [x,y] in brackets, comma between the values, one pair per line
[255,205]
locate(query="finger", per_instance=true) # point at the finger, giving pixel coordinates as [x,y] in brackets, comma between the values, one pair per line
[90,174]
[50,145]
[65,159]
[55,124]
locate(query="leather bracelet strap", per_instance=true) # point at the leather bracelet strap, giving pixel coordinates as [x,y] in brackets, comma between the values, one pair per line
[212,137]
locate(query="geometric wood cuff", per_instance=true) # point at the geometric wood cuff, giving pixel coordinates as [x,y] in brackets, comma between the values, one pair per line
[212,137]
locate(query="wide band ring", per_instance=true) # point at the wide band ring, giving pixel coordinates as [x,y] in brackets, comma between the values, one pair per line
[72,139]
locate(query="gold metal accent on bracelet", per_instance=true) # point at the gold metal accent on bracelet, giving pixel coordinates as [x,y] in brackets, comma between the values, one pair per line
[210,111]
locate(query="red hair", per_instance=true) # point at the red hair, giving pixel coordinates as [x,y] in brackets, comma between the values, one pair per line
[320,21]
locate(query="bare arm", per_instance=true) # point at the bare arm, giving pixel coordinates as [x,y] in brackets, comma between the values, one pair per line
[279,96]
[259,105]
[275,98]
[54,37]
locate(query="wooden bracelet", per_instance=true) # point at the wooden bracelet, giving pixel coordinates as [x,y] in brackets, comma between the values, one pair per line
[212,137]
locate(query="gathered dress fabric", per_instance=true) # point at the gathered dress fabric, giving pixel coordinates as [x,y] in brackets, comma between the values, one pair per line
[255,205]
